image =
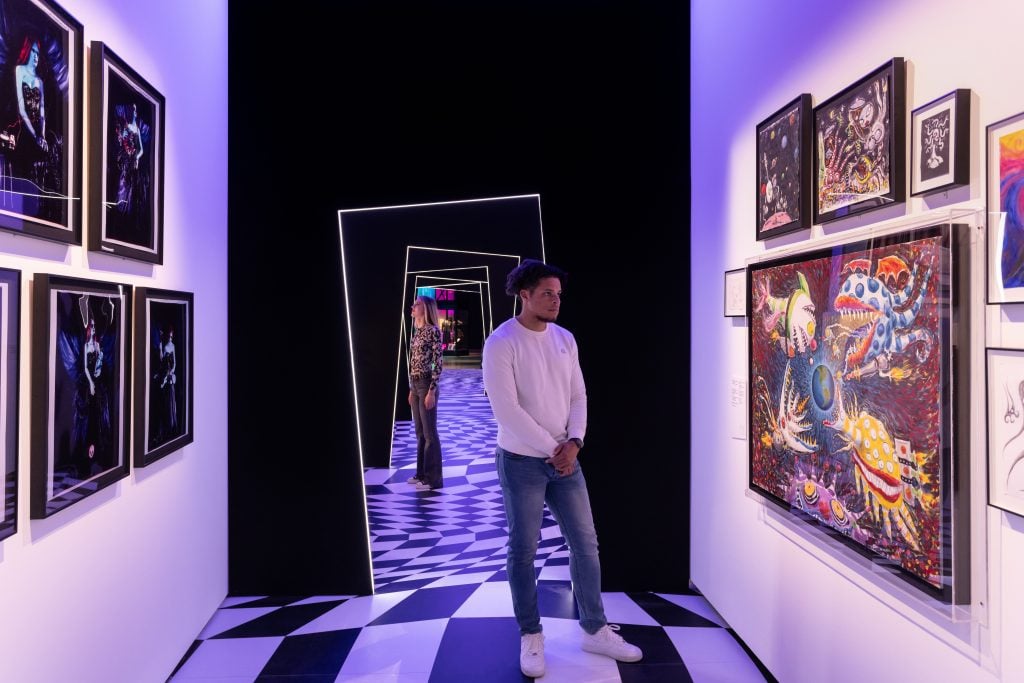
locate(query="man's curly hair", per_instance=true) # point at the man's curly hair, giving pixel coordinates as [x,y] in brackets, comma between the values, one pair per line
[528,273]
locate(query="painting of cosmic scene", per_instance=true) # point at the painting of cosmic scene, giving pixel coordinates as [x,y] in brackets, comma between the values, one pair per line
[784,170]
[849,408]
[860,138]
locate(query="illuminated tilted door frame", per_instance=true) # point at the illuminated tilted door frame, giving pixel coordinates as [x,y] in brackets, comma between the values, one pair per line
[403,340]
[348,316]
[486,280]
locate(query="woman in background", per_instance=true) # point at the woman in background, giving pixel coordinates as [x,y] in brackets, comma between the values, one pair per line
[424,373]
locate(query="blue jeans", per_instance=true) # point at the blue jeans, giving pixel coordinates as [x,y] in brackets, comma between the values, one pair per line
[528,483]
[428,444]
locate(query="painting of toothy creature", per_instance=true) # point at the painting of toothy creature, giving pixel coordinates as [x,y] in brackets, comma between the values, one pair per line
[850,409]
[859,138]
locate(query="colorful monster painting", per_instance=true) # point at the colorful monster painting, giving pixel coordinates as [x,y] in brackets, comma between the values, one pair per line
[859,138]
[850,395]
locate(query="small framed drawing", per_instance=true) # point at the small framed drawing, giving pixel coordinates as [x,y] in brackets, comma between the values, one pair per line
[1004,193]
[81,366]
[860,145]
[126,161]
[10,327]
[940,148]
[163,373]
[41,54]
[1005,389]
[784,172]
[735,293]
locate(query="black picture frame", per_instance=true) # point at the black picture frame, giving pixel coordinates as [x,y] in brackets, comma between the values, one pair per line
[1004,401]
[785,170]
[163,391]
[735,293]
[80,419]
[41,46]
[940,144]
[1005,224]
[126,160]
[860,145]
[10,342]
[856,412]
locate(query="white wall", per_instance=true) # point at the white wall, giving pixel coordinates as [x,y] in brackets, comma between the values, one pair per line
[116,587]
[812,612]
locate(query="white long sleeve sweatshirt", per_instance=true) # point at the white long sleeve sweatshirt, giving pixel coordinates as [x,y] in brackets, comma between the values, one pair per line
[534,383]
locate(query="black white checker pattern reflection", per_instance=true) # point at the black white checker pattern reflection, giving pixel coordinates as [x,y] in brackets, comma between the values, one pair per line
[441,612]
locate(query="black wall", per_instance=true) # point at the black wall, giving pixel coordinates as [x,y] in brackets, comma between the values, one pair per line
[375,246]
[355,104]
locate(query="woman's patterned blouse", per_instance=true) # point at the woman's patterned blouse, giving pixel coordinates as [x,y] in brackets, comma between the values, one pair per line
[425,351]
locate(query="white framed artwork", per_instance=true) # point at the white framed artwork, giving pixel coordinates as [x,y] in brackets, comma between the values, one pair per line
[736,293]
[1005,395]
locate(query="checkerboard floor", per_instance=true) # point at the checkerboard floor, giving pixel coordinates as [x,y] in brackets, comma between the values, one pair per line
[441,611]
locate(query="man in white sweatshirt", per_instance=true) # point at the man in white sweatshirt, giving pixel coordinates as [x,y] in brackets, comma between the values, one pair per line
[533,379]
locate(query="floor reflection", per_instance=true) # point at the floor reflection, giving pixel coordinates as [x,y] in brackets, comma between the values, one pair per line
[418,536]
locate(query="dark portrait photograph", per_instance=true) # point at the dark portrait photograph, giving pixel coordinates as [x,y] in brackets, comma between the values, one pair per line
[163,378]
[126,216]
[82,378]
[130,158]
[40,120]
[10,306]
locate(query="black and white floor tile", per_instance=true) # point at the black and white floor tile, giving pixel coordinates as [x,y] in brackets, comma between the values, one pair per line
[441,611]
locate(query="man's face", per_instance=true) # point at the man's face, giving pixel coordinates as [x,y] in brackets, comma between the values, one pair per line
[544,300]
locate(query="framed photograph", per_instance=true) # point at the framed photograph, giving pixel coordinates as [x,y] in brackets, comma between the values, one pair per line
[126,161]
[940,149]
[784,172]
[10,335]
[851,408]
[860,145]
[41,54]
[736,293]
[1004,193]
[163,373]
[1005,389]
[81,368]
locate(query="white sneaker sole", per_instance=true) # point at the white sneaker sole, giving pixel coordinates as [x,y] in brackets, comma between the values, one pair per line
[528,674]
[618,658]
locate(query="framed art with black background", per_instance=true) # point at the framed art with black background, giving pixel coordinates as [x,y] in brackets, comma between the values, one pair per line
[940,144]
[163,373]
[10,342]
[860,145]
[784,172]
[41,53]
[126,161]
[81,369]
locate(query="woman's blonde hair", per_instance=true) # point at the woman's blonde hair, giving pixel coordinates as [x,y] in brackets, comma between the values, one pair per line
[429,310]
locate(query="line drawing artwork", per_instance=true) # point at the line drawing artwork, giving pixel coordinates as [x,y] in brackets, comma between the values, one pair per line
[1013,449]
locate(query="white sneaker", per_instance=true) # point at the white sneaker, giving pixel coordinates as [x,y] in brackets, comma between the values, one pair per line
[607,642]
[531,655]
[412,480]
